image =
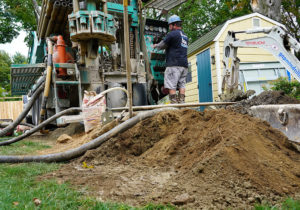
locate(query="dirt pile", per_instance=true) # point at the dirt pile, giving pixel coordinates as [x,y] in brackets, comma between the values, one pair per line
[216,159]
[74,137]
[71,129]
[266,97]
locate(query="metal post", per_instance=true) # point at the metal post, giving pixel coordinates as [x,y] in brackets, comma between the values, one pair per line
[75,6]
[127,55]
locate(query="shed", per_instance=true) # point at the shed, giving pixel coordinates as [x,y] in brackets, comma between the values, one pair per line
[205,58]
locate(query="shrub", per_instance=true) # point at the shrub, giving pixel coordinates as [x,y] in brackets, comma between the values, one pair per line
[292,88]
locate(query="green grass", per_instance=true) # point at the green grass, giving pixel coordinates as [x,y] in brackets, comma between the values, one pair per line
[19,186]
[5,138]
[22,148]
[288,204]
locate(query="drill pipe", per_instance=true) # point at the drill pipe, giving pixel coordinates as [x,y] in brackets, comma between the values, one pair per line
[75,6]
[60,17]
[46,18]
[55,11]
[65,24]
[41,17]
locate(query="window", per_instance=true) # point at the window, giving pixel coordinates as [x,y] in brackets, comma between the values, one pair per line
[256,23]
[189,75]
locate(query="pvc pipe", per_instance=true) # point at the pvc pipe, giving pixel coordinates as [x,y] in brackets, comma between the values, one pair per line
[173,105]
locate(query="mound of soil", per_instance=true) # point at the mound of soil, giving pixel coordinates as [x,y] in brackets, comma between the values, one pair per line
[71,129]
[266,97]
[212,159]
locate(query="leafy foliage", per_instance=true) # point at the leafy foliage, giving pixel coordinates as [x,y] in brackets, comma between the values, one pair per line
[291,16]
[8,26]
[290,88]
[199,17]
[5,62]
[18,58]
[16,15]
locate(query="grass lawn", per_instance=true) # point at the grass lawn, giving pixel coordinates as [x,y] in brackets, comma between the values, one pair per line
[289,204]
[18,185]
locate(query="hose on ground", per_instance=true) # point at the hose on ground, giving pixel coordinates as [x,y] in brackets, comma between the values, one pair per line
[33,130]
[54,117]
[70,154]
[13,125]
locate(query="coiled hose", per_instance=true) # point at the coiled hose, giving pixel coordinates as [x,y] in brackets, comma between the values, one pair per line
[13,125]
[70,154]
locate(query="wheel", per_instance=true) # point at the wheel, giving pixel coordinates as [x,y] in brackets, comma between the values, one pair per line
[116,98]
[139,94]
[36,109]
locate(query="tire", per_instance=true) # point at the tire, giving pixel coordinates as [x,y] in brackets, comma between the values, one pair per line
[116,98]
[139,94]
[36,109]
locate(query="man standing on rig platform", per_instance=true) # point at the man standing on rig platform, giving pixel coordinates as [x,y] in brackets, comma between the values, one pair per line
[176,45]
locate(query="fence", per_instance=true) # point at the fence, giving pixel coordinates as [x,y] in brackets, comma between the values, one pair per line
[10,109]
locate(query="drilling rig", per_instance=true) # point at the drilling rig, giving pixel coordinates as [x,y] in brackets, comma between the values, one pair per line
[80,45]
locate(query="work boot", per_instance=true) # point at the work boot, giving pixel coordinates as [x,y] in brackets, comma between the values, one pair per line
[181,98]
[173,98]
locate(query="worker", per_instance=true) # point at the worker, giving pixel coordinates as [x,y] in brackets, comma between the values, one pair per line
[176,45]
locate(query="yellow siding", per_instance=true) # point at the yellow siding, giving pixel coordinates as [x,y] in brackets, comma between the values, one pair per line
[244,54]
[247,54]
[192,93]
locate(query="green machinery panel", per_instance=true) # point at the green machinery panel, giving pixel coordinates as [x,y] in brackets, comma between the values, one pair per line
[155,31]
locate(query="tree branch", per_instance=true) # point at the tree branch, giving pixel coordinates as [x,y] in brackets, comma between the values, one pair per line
[37,11]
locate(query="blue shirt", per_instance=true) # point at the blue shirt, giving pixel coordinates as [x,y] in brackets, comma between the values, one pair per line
[176,50]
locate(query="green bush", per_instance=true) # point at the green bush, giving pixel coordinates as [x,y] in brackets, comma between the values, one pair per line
[291,89]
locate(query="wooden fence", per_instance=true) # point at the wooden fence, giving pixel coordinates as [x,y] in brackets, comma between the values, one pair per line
[10,109]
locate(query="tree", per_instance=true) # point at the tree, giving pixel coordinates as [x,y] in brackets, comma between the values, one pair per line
[201,16]
[8,27]
[291,16]
[285,11]
[5,62]
[18,58]
[269,8]
[16,15]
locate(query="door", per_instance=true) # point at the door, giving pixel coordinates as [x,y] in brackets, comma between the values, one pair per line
[204,77]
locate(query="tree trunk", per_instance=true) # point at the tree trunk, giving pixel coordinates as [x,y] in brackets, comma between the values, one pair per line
[269,8]
[37,11]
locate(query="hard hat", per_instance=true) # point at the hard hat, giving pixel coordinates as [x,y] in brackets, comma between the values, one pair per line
[173,19]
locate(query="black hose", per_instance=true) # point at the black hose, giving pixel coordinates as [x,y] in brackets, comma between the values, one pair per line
[13,125]
[70,154]
[27,124]
[40,126]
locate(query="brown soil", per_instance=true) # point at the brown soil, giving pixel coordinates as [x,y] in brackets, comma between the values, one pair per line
[216,158]
[266,97]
